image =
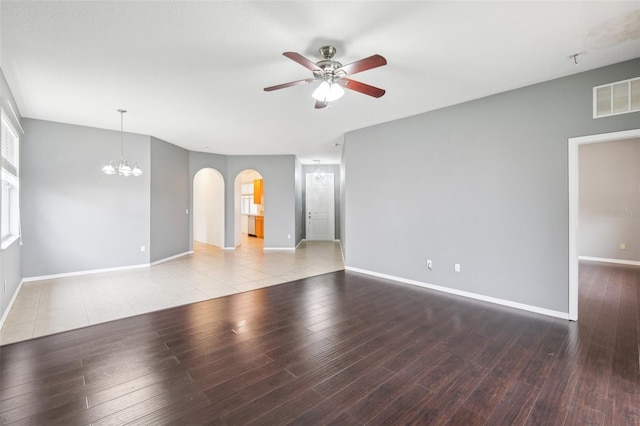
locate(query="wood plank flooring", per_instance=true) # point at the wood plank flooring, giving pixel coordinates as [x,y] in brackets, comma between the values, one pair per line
[341,349]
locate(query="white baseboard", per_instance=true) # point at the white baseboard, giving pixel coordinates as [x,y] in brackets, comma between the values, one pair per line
[100,271]
[10,305]
[522,306]
[166,259]
[89,272]
[228,248]
[605,260]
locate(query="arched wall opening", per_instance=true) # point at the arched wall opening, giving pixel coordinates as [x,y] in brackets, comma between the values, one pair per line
[208,207]
[248,206]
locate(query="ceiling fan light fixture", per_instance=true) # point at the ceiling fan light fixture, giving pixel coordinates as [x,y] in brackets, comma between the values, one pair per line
[328,92]
[333,76]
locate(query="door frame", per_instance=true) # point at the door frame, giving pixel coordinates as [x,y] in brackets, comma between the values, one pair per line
[306,204]
[574,206]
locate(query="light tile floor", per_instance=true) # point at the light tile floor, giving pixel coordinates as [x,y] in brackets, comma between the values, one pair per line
[52,306]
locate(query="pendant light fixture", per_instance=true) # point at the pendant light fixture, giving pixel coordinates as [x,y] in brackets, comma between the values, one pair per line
[121,167]
[319,176]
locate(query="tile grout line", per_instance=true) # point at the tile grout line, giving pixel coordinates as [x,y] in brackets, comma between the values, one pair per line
[35,318]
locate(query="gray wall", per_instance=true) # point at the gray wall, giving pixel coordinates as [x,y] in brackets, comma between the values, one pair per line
[278,172]
[610,200]
[299,208]
[74,217]
[169,200]
[11,257]
[483,184]
[324,168]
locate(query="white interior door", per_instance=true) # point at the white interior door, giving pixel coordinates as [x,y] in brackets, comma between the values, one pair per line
[320,214]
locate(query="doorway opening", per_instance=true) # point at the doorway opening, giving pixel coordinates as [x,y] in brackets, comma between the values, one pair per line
[320,208]
[574,206]
[208,208]
[249,208]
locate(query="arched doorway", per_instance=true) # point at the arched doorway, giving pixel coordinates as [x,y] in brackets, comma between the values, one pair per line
[208,207]
[249,207]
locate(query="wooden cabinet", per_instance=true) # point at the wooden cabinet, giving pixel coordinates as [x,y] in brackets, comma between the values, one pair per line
[258,191]
[260,226]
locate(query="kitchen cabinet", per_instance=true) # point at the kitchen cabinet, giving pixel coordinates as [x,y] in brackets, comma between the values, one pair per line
[260,226]
[251,226]
[258,189]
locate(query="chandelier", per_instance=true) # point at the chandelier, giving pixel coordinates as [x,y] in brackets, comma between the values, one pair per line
[121,166]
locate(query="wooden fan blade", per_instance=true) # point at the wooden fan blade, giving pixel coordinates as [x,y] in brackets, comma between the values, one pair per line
[302,61]
[321,104]
[290,84]
[362,88]
[363,65]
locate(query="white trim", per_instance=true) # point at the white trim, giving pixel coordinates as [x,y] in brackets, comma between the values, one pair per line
[166,259]
[13,117]
[8,242]
[10,305]
[227,248]
[279,248]
[521,306]
[89,272]
[299,242]
[99,271]
[574,208]
[606,137]
[605,260]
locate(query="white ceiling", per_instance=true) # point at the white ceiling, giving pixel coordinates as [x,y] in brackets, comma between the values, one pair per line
[192,73]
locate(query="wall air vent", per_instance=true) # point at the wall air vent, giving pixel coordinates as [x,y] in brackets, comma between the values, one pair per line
[616,98]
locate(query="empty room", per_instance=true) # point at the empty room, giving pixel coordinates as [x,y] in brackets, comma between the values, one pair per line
[320,212]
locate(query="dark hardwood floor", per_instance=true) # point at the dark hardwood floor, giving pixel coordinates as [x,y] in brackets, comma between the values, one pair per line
[342,349]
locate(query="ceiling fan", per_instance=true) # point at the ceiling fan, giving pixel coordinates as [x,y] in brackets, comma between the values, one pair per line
[333,76]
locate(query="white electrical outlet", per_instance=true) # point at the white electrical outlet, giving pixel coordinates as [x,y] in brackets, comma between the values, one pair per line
[143,248]
[5,286]
[623,246]
[186,211]
[288,236]
[456,267]
[429,264]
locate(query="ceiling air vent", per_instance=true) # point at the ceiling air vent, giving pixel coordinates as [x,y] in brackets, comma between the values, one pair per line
[616,98]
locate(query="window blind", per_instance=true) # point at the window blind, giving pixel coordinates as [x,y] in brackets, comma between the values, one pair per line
[9,147]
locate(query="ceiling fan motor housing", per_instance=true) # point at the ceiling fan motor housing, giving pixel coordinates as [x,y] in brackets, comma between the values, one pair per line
[328,65]
[327,52]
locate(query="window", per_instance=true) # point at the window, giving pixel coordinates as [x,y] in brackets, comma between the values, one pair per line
[10,225]
[246,199]
[616,98]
